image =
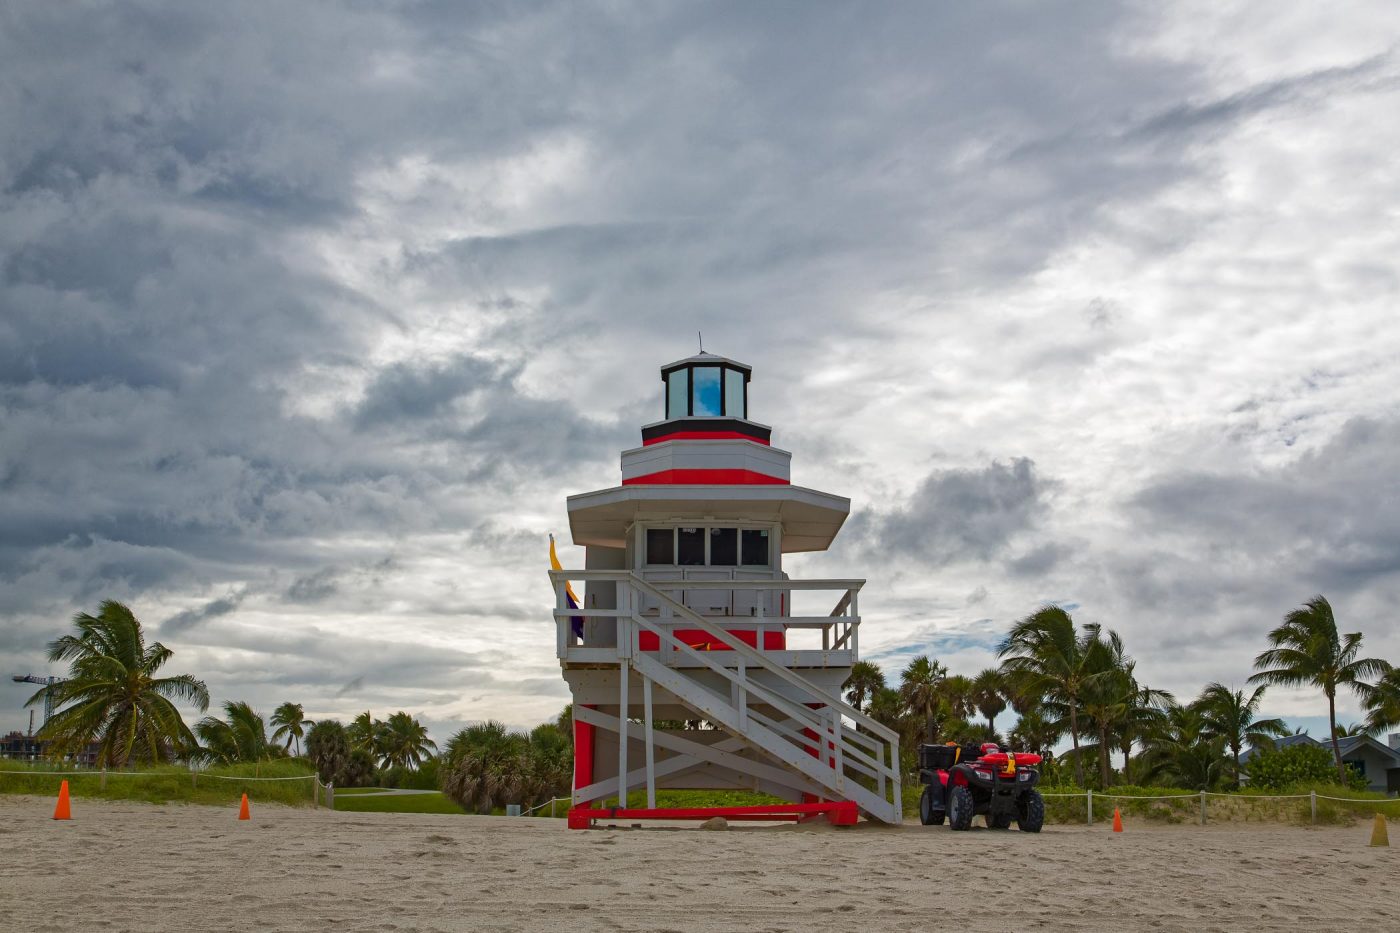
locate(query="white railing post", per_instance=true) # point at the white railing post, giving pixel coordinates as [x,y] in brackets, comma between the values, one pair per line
[855,624]
[622,732]
[651,753]
[1089,796]
[1203,808]
[1313,794]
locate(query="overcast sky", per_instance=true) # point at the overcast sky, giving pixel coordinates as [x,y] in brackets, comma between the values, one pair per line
[311,315]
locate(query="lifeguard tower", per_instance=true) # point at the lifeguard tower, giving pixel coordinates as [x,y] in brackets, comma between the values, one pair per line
[686,615]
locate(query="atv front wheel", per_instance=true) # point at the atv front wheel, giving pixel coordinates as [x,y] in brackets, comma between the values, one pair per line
[928,814]
[1030,813]
[960,807]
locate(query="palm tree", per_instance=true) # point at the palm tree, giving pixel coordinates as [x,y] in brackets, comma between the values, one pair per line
[1229,714]
[920,688]
[1035,731]
[1044,656]
[1181,754]
[403,741]
[483,766]
[363,732]
[1144,709]
[112,695]
[328,747]
[1307,651]
[865,680]
[243,737]
[291,723]
[1383,703]
[989,695]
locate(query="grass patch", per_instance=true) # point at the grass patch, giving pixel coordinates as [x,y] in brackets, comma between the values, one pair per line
[396,803]
[164,783]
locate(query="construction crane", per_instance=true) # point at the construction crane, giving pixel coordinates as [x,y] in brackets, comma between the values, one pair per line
[43,681]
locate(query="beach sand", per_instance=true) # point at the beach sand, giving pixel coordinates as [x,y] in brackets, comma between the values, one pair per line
[129,866]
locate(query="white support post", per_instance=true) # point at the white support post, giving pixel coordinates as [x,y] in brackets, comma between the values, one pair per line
[743,688]
[1313,794]
[1203,808]
[855,625]
[651,752]
[1089,796]
[622,669]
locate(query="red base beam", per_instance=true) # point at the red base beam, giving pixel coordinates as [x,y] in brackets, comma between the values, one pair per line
[838,813]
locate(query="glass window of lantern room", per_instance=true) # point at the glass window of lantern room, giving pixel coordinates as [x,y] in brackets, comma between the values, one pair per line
[755,548]
[707,402]
[690,547]
[678,393]
[735,404]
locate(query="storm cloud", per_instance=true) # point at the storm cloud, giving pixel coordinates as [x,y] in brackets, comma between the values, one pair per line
[311,315]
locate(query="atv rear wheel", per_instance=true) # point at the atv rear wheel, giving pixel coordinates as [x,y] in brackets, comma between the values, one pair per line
[1030,813]
[928,814]
[960,807]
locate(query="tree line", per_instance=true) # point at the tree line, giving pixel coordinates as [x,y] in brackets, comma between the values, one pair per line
[1077,681]
[1061,679]
[115,697]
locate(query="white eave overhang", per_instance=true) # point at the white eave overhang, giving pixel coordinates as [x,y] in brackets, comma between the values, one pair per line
[810,519]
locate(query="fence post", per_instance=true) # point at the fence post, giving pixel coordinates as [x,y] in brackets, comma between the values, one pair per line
[102,784]
[330,796]
[1203,808]
[1089,795]
[315,791]
[1314,807]
[551,809]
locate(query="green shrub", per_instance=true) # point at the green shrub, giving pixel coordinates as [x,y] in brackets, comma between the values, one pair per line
[1297,766]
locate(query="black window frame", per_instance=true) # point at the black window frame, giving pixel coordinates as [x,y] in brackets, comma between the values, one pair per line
[690,389]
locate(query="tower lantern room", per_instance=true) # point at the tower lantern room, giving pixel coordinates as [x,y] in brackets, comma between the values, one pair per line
[686,615]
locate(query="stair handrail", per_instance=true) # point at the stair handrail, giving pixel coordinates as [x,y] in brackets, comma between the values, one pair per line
[762,660]
[869,761]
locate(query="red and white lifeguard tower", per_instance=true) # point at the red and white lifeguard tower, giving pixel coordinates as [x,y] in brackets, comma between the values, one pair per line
[687,615]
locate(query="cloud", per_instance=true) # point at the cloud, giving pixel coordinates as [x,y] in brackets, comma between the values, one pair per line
[966,515]
[310,318]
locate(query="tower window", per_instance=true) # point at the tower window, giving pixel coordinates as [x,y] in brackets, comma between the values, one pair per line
[690,547]
[661,545]
[736,402]
[724,547]
[755,552]
[707,392]
[678,393]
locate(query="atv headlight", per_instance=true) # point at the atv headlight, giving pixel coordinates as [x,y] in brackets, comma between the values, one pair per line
[1023,776]
[984,775]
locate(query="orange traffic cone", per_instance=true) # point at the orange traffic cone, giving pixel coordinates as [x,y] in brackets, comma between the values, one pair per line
[1117,821]
[243,809]
[62,811]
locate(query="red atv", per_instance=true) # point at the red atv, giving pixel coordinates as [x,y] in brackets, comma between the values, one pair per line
[964,780]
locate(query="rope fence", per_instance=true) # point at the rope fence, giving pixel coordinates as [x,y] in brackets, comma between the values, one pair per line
[548,803]
[1089,797]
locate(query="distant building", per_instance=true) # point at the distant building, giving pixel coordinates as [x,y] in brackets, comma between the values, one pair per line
[21,747]
[1379,764]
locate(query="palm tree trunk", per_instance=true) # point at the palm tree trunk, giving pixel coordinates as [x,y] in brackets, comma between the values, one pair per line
[1236,750]
[1103,755]
[1127,760]
[1336,748]
[1074,737]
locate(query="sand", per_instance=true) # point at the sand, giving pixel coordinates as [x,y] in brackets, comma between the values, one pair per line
[128,866]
